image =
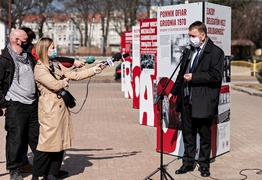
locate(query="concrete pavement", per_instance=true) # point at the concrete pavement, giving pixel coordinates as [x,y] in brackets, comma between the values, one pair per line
[111,145]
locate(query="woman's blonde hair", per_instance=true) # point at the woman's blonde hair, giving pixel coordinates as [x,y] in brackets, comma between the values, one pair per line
[42,49]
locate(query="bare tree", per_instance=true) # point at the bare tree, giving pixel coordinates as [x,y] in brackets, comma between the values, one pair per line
[104,9]
[19,9]
[82,10]
[147,4]
[125,15]
[41,10]
[77,20]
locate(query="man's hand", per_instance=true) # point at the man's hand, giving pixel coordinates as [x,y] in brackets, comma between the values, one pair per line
[3,111]
[170,96]
[188,77]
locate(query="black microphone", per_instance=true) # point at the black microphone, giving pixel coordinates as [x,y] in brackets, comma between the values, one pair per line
[64,59]
[125,55]
[188,48]
[115,57]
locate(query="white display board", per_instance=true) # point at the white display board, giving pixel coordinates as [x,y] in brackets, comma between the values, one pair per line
[136,65]
[173,22]
[146,110]
[218,22]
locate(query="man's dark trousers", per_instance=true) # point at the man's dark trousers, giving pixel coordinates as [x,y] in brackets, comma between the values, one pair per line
[21,123]
[190,128]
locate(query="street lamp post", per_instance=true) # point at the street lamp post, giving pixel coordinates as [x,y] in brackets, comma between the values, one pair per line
[102,45]
[9,16]
[71,43]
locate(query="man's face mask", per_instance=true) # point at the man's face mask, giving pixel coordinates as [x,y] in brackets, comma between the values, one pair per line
[25,45]
[195,41]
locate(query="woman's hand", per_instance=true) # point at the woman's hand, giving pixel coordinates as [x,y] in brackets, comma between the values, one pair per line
[67,79]
[102,66]
[98,68]
[78,63]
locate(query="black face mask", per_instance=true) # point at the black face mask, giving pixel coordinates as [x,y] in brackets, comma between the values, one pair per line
[25,45]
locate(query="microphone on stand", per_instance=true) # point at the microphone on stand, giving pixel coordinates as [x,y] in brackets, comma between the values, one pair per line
[188,48]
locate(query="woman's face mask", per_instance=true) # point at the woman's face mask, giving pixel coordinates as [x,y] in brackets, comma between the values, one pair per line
[53,54]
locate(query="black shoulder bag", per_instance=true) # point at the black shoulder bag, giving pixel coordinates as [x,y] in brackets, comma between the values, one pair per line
[68,98]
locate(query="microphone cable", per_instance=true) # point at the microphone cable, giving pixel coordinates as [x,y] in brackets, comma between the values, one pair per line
[84,99]
[118,57]
[259,172]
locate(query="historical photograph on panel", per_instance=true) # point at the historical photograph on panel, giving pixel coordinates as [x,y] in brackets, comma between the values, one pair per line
[147,61]
[227,74]
[178,44]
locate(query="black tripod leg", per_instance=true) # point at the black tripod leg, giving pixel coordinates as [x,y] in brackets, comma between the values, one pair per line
[148,177]
[166,173]
[162,167]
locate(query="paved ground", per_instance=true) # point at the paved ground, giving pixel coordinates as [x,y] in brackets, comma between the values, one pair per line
[111,145]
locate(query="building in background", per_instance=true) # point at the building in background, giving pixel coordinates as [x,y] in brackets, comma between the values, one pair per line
[3,34]
[66,36]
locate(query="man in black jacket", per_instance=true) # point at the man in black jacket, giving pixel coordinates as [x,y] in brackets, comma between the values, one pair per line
[18,100]
[197,88]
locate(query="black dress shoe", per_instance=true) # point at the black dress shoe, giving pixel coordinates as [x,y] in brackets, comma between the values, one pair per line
[184,169]
[62,174]
[204,171]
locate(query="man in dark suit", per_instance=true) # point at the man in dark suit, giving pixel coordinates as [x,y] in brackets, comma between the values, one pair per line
[197,88]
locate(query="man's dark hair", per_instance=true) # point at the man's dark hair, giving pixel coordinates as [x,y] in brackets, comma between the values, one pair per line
[30,33]
[201,27]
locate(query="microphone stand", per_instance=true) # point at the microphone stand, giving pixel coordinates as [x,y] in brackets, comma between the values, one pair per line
[160,98]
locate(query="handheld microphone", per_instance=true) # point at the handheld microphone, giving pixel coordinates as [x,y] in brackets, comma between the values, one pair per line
[125,55]
[89,60]
[115,57]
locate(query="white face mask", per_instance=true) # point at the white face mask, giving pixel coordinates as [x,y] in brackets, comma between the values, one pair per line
[195,41]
